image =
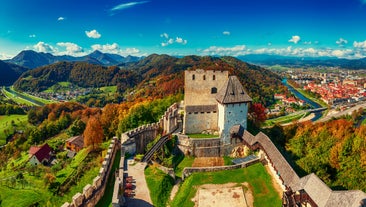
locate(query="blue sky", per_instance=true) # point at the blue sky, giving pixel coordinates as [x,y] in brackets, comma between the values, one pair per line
[335,28]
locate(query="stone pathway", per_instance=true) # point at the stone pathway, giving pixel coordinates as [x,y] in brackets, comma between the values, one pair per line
[142,194]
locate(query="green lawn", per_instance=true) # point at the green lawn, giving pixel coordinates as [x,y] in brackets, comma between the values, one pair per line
[202,136]
[159,184]
[256,175]
[19,121]
[186,162]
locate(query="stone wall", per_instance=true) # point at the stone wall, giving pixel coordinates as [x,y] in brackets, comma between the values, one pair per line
[197,122]
[136,140]
[92,193]
[213,147]
[118,198]
[198,84]
[187,171]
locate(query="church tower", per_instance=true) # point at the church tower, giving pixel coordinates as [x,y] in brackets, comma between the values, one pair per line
[233,103]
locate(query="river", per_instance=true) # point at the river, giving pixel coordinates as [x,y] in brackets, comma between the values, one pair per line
[302,97]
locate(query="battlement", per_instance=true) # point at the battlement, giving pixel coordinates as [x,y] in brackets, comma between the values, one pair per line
[136,139]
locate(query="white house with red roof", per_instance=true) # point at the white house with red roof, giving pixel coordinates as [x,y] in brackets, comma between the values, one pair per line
[39,155]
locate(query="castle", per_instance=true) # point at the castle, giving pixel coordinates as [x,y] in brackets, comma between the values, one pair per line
[214,102]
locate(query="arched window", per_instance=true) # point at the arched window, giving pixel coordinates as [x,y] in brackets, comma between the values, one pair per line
[213,90]
[193,77]
[213,77]
[204,77]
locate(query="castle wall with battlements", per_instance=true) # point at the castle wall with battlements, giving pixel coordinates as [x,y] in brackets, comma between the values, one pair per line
[136,140]
[198,85]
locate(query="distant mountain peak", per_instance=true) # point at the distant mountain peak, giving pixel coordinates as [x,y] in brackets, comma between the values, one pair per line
[32,59]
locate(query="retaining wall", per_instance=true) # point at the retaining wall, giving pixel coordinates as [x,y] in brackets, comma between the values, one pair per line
[213,147]
[92,193]
[187,171]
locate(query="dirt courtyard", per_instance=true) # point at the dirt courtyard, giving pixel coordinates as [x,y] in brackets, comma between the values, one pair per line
[231,194]
[208,161]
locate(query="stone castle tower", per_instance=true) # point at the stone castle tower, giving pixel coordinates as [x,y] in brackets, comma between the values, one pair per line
[214,101]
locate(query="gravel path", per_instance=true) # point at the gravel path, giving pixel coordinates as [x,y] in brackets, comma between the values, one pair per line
[142,194]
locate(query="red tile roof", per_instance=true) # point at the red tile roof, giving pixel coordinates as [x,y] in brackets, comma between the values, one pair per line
[41,153]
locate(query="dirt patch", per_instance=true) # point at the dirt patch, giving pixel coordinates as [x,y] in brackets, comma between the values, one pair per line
[230,194]
[276,186]
[208,162]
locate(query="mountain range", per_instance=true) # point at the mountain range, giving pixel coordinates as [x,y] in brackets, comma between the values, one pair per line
[270,60]
[32,59]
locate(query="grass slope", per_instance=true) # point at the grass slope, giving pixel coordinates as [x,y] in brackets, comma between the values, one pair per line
[256,175]
[6,124]
[159,184]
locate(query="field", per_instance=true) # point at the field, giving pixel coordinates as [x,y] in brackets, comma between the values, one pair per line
[109,89]
[260,183]
[285,119]
[24,98]
[7,124]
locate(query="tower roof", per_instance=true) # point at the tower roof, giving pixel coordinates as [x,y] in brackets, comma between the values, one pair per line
[232,92]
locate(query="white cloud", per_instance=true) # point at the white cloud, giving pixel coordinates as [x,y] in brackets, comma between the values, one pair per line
[164,35]
[169,41]
[93,34]
[32,35]
[226,33]
[307,43]
[226,51]
[180,40]
[71,49]
[295,39]
[4,56]
[44,47]
[361,45]
[341,42]
[125,6]
[115,49]
[60,18]
[287,51]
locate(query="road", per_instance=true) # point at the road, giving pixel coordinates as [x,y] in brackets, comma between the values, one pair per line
[342,113]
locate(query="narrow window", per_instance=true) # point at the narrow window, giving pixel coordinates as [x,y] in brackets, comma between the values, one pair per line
[204,77]
[193,77]
[213,90]
[213,77]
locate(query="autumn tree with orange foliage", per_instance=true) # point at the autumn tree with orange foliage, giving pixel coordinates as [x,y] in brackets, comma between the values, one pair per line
[93,133]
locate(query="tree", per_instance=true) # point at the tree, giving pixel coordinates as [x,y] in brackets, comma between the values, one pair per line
[93,133]
[77,128]
[257,113]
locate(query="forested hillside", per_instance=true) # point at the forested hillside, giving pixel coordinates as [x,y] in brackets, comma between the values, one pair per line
[335,151]
[9,73]
[155,75]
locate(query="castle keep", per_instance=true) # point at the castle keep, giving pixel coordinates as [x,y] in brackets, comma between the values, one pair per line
[214,102]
